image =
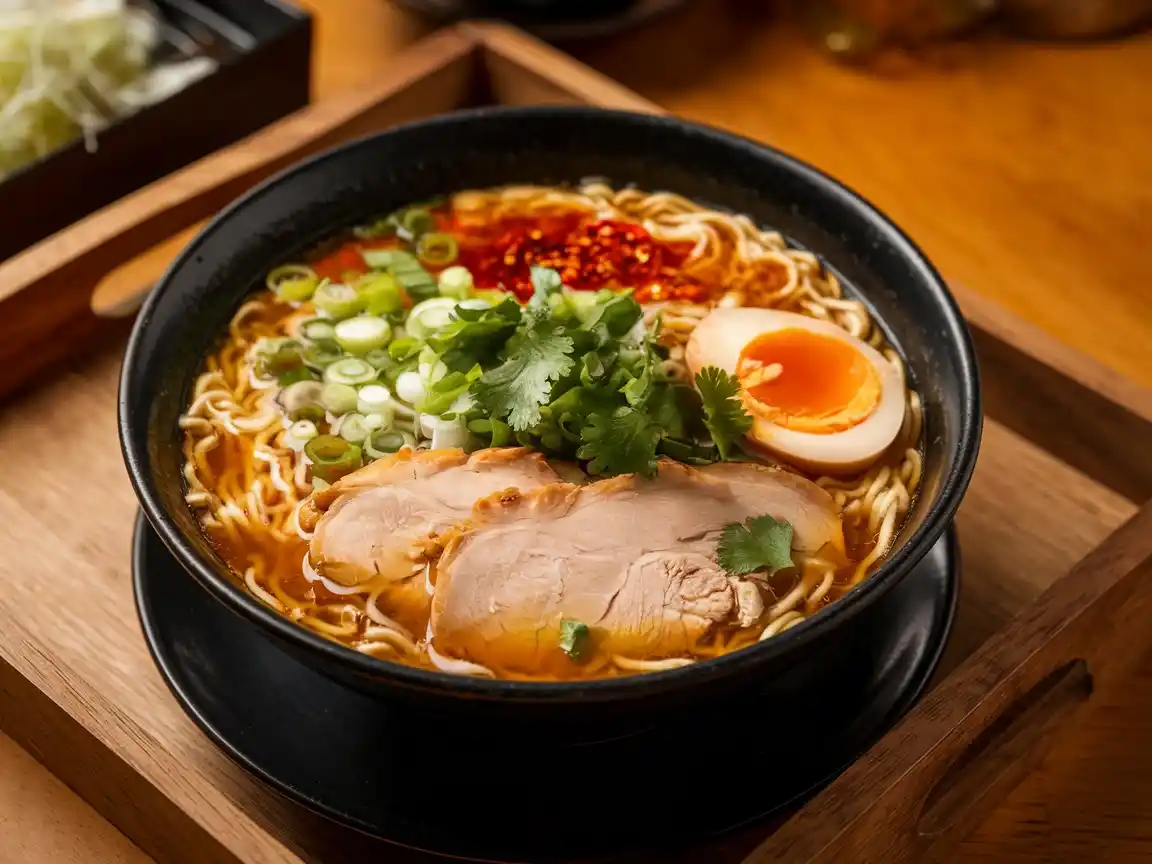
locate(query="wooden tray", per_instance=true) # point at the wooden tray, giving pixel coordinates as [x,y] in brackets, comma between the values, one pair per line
[1057,552]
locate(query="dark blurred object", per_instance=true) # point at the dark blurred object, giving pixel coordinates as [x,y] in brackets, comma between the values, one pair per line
[855,30]
[1075,19]
[551,20]
[264,53]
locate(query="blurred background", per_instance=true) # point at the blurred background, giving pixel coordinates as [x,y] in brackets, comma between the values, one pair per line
[1008,137]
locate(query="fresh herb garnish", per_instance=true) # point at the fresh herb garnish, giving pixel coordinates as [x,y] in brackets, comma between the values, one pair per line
[517,388]
[724,415]
[476,335]
[761,543]
[623,442]
[574,638]
[576,375]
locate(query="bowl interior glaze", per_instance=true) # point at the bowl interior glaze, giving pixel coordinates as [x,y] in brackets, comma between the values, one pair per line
[190,308]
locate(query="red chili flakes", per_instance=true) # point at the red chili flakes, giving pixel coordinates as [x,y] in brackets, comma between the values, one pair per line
[588,256]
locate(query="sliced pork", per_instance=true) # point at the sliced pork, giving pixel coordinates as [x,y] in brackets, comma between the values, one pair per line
[376,521]
[632,559]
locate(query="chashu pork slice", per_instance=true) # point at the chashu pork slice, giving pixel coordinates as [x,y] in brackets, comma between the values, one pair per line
[373,522]
[633,559]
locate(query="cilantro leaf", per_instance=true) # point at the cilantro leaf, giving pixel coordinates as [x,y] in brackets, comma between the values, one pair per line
[517,388]
[574,638]
[622,442]
[476,336]
[761,543]
[724,415]
[617,314]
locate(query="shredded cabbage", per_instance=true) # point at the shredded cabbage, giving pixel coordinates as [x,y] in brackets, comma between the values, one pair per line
[69,67]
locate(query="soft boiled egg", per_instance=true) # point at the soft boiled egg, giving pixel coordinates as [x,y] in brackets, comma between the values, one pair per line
[819,397]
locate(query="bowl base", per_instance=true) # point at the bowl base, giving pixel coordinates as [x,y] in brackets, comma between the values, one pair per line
[477,793]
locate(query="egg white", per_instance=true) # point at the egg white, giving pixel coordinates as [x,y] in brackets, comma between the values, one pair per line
[720,338]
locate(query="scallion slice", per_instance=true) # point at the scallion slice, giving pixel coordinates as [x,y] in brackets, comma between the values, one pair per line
[332,457]
[403,348]
[410,387]
[418,285]
[380,358]
[351,370]
[299,434]
[415,221]
[338,398]
[380,293]
[354,427]
[321,355]
[362,334]
[293,282]
[429,315]
[296,399]
[318,330]
[338,300]
[382,442]
[374,399]
[437,249]
[457,282]
[274,356]
[395,260]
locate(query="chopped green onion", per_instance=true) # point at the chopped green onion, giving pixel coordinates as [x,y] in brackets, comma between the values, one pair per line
[338,398]
[374,399]
[416,221]
[300,373]
[380,359]
[500,432]
[382,442]
[318,330]
[441,396]
[362,334]
[437,249]
[430,315]
[293,282]
[445,433]
[351,370]
[320,356]
[337,299]
[302,399]
[410,387]
[418,286]
[380,293]
[457,282]
[574,638]
[299,434]
[354,427]
[274,356]
[382,227]
[403,348]
[395,260]
[332,457]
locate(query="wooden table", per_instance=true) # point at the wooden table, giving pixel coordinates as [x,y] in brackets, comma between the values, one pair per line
[1024,171]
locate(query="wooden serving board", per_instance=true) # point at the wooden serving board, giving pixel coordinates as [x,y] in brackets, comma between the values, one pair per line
[1057,554]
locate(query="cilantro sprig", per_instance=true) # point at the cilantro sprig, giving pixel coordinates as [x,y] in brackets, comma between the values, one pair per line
[760,543]
[577,375]
[724,414]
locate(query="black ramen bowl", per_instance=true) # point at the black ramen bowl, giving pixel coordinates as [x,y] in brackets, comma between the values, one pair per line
[190,308]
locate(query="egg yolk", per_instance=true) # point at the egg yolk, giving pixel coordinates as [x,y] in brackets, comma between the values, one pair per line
[808,382]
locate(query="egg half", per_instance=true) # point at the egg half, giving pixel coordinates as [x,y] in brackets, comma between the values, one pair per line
[819,397]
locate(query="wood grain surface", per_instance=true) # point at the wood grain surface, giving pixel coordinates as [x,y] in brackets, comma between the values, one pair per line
[1048,229]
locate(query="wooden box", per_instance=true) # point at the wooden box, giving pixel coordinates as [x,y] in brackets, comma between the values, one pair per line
[1057,573]
[263,50]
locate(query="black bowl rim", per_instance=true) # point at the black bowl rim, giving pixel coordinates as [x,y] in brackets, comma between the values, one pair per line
[940,513]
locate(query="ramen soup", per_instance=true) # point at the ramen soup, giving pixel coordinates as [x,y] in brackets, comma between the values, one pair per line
[551,434]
